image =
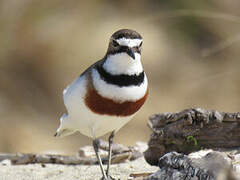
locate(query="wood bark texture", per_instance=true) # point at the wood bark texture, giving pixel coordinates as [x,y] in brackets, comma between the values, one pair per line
[191,130]
[211,166]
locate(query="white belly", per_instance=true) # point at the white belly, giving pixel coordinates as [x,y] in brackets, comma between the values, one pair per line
[80,118]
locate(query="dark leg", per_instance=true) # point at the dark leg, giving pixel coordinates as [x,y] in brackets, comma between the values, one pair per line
[96,148]
[110,141]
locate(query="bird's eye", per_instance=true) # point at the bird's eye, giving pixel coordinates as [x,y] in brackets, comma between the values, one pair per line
[115,43]
[140,44]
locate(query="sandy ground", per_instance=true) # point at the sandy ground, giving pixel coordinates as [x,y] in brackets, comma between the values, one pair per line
[66,172]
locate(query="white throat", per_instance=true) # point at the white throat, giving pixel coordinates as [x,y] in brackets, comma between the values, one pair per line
[122,63]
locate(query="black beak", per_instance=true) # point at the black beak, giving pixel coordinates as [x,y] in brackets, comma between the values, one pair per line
[130,52]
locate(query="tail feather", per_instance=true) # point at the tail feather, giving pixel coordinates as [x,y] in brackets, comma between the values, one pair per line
[63,129]
[64,132]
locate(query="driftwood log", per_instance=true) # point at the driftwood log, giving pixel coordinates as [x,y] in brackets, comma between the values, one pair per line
[85,156]
[211,166]
[20,158]
[191,130]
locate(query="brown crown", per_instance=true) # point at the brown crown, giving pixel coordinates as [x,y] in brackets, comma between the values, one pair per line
[127,33]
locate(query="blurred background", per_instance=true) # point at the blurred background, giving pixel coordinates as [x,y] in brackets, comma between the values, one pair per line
[190,53]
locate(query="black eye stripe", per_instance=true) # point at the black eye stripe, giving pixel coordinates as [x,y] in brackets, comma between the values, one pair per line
[122,49]
[115,43]
[115,48]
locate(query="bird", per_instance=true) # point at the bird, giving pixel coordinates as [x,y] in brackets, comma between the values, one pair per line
[107,94]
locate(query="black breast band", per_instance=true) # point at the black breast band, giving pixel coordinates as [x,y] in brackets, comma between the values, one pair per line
[122,79]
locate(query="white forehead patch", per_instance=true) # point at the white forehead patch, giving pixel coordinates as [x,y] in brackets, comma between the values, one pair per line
[129,42]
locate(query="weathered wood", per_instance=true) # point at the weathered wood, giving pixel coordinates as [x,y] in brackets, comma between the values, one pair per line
[116,148]
[211,166]
[122,153]
[191,130]
[20,158]
[86,156]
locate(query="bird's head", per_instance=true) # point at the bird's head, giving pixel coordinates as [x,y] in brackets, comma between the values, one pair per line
[124,50]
